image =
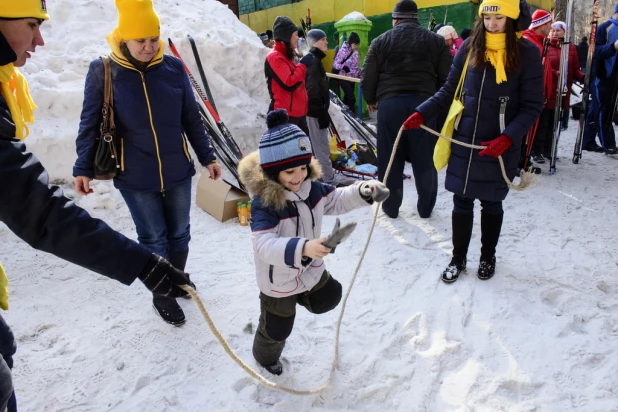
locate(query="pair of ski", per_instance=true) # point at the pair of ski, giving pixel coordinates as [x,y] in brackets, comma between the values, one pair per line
[226,149]
[359,126]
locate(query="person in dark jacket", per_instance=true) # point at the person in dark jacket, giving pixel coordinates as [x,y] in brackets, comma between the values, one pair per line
[502,98]
[403,67]
[346,63]
[318,119]
[542,146]
[284,77]
[153,106]
[582,52]
[39,213]
[604,62]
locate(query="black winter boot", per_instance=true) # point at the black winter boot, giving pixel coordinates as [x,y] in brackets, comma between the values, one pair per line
[462,232]
[179,261]
[491,225]
[276,368]
[169,310]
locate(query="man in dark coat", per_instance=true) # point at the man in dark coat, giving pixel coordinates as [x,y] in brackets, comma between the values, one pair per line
[40,214]
[404,67]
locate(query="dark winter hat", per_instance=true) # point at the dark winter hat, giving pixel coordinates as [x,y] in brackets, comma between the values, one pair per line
[314,36]
[264,37]
[270,34]
[283,28]
[354,38]
[465,33]
[616,8]
[438,27]
[283,146]
[405,9]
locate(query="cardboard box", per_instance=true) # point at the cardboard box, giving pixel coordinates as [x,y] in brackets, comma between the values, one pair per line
[219,197]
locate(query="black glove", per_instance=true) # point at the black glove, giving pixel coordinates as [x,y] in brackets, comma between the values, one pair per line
[161,278]
[345,69]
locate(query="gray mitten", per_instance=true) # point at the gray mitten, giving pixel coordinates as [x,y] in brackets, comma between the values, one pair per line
[375,190]
[339,234]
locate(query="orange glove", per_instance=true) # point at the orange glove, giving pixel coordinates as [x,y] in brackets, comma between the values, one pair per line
[497,146]
[414,122]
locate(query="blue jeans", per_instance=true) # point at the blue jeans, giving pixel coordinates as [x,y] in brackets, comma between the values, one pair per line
[600,91]
[465,205]
[162,218]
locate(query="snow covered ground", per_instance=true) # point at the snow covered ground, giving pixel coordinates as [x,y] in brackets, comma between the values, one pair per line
[540,336]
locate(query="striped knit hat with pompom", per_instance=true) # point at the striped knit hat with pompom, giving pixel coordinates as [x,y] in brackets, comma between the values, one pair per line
[283,146]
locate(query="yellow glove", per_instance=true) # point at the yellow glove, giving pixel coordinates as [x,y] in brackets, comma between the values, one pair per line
[4,289]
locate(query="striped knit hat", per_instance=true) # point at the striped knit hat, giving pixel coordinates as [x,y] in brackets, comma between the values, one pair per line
[539,18]
[283,146]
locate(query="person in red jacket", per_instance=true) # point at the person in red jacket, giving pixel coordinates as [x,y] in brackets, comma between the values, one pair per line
[537,33]
[541,149]
[285,78]
[539,28]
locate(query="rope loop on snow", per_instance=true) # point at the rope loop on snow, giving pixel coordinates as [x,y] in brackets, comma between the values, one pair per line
[526,179]
[333,368]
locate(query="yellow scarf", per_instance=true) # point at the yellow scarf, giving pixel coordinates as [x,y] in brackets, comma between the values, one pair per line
[14,88]
[495,53]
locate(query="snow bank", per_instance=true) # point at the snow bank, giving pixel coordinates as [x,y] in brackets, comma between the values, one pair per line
[232,55]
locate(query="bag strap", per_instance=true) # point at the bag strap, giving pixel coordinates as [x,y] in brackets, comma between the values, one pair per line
[346,59]
[459,90]
[107,110]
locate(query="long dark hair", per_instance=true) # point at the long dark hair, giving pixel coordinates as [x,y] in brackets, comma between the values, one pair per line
[477,46]
[289,51]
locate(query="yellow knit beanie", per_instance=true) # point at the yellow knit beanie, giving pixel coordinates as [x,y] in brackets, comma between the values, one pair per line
[137,19]
[21,9]
[509,8]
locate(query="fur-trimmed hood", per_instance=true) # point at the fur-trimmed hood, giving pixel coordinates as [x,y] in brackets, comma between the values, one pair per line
[272,193]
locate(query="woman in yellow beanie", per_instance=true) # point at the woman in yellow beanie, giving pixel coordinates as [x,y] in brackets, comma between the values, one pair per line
[153,104]
[502,98]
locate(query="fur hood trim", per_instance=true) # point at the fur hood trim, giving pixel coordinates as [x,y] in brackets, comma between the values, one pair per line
[271,193]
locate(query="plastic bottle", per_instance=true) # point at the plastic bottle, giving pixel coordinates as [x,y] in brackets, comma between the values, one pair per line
[243,217]
[238,205]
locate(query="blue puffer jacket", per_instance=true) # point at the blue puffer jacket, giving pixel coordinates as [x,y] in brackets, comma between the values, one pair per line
[521,100]
[151,108]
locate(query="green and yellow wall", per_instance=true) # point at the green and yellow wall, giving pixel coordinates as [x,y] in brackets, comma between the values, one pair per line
[260,14]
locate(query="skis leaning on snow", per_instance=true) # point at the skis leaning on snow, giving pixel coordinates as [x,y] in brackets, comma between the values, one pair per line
[225,146]
[362,128]
[577,151]
[561,88]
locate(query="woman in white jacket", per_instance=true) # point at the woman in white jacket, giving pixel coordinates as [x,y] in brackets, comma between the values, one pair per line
[288,205]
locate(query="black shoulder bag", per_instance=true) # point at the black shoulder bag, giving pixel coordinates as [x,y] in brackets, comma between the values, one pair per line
[106,160]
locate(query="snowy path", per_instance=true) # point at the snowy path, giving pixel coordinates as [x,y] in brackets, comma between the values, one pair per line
[540,336]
